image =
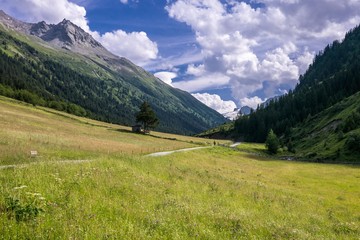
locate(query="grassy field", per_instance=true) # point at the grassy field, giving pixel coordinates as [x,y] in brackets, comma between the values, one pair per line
[60,136]
[252,148]
[118,192]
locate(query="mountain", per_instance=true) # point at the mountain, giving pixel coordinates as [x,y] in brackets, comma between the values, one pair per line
[322,109]
[63,67]
[331,135]
[245,110]
[63,35]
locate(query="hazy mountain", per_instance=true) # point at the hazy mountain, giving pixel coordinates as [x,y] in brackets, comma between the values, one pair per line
[245,110]
[60,64]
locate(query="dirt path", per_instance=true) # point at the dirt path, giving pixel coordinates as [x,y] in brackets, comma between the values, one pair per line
[158,154]
[235,144]
[34,163]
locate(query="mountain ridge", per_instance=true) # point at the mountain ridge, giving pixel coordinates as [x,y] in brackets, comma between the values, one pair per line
[108,87]
[65,35]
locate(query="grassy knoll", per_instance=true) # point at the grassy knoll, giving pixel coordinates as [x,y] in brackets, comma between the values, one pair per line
[214,193]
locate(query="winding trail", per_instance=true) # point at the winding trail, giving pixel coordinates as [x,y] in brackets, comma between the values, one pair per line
[235,144]
[158,154]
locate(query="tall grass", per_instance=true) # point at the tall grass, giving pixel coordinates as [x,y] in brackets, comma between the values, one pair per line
[207,194]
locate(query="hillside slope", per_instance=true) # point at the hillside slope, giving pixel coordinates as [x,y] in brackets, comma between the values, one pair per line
[333,76]
[331,135]
[327,90]
[63,67]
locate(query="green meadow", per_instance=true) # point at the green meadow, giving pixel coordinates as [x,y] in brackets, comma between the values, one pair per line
[94,180]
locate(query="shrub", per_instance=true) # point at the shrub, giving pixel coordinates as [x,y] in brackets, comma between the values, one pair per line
[272,142]
[22,211]
[24,206]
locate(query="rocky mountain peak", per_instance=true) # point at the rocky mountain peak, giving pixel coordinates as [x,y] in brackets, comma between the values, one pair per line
[69,34]
[65,35]
[66,22]
[39,29]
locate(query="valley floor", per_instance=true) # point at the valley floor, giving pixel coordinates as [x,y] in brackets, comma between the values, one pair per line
[120,193]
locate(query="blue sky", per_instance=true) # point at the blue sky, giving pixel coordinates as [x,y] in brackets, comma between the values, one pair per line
[227,53]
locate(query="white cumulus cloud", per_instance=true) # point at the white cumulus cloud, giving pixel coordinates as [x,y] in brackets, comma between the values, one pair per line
[166,77]
[46,10]
[135,46]
[214,101]
[260,49]
[210,80]
[252,102]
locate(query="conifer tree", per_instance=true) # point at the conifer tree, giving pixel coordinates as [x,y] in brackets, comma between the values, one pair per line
[147,117]
[272,142]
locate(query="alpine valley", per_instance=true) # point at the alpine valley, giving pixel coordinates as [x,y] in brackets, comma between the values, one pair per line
[63,67]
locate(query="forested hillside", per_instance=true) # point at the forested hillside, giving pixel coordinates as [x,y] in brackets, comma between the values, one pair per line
[318,120]
[333,76]
[88,86]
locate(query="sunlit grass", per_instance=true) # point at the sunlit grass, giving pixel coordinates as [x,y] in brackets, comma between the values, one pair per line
[208,194]
[117,192]
[252,147]
[56,135]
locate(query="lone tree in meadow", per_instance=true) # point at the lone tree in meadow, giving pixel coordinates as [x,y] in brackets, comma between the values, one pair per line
[147,117]
[272,142]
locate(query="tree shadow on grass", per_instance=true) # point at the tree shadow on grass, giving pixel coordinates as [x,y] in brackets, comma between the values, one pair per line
[122,130]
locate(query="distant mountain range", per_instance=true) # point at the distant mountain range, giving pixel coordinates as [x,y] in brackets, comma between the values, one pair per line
[62,66]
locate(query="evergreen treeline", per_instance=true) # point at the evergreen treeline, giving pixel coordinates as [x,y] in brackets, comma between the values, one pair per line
[333,76]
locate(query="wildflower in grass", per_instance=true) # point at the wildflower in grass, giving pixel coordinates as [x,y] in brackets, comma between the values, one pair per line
[33,194]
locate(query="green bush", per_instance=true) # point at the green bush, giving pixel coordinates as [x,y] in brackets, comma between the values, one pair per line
[272,142]
[22,211]
[23,205]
